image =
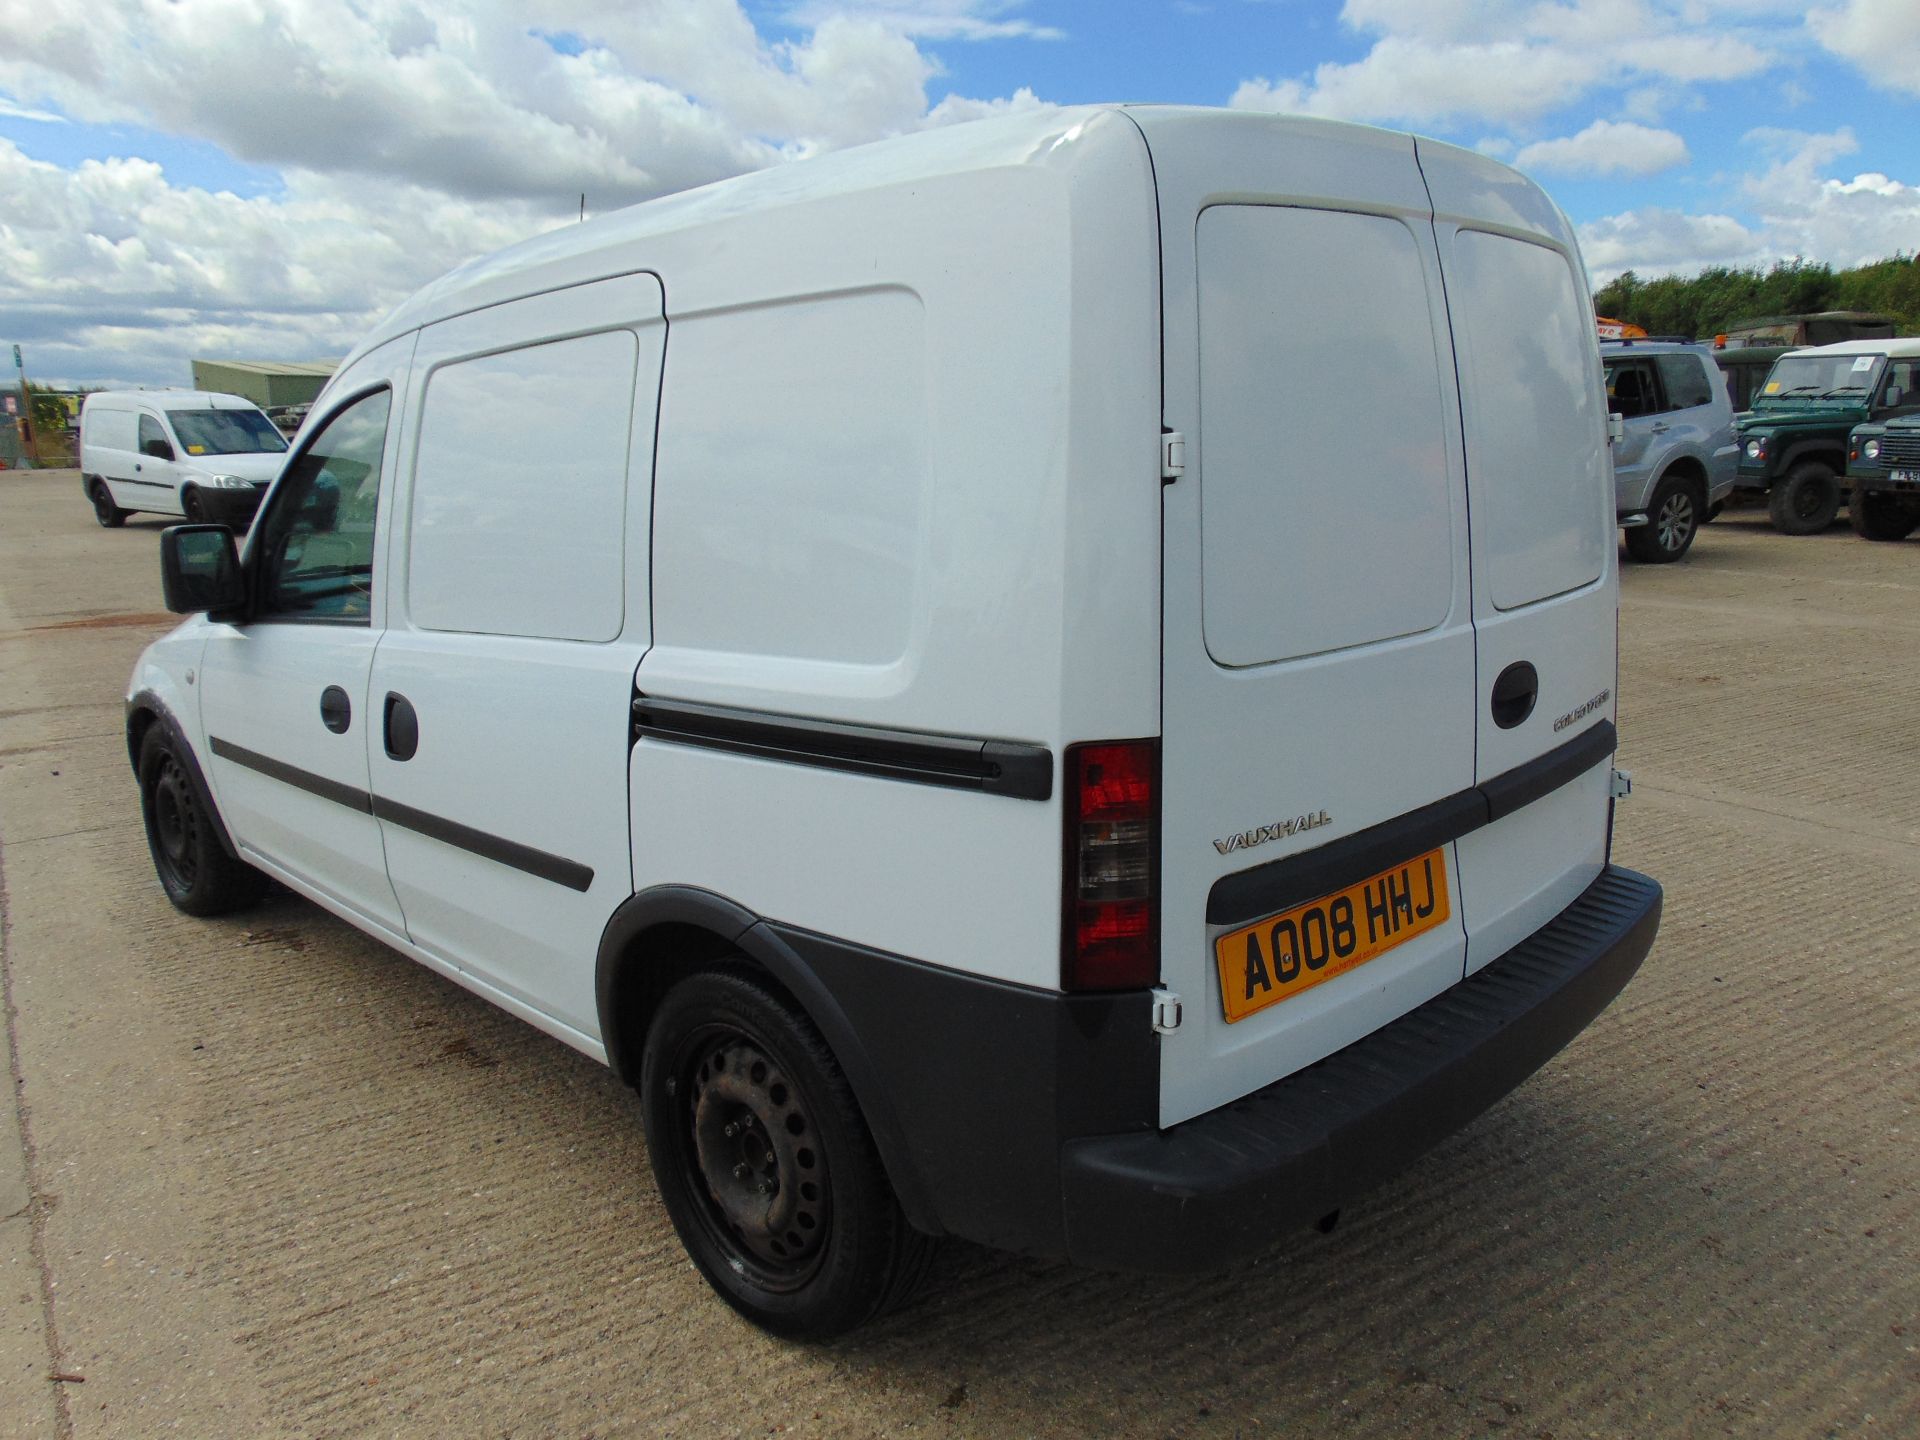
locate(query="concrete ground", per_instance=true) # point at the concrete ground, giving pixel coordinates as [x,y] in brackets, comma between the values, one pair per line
[263,1177]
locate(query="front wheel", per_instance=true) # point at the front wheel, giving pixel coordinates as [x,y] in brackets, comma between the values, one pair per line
[1673,519]
[1805,499]
[766,1165]
[110,515]
[195,871]
[193,507]
[1882,517]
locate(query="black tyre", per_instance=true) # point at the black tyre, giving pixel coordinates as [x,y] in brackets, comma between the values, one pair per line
[1673,519]
[194,506]
[110,515]
[1805,499]
[197,874]
[765,1163]
[1882,517]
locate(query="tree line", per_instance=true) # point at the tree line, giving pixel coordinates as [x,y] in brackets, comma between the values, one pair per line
[1718,298]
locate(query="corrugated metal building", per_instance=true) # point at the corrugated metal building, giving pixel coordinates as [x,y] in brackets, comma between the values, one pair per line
[265,382]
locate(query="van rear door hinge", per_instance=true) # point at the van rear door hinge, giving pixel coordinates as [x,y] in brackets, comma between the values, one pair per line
[1166,1012]
[1173,456]
[1622,785]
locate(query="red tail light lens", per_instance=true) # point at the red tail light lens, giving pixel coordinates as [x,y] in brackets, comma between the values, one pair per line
[1110,936]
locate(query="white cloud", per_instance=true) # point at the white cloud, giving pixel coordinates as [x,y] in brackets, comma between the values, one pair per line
[408,137]
[1512,62]
[1607,147]
[11,111]
[932,19]
[1882,37]
[1796,211]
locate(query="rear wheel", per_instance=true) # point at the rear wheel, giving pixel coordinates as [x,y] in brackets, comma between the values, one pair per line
[1673,519]
[110,515]
[1805,499]
[1882,517]
[765,1164]
[195,871]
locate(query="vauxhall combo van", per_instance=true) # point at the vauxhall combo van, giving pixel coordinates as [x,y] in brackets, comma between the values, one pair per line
[1053,682]
[195,453]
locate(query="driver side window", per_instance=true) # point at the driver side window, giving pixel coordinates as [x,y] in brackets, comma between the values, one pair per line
[316,547]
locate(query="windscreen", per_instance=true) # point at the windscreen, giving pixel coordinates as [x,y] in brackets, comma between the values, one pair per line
[1798,378]
[226,432]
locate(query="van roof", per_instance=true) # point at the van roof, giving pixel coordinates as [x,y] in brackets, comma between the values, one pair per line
[167,400]
[1040,141]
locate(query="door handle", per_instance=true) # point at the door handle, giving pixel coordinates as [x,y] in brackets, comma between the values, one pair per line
[336,710]
[402,726]
[1660,429]
[1514,693]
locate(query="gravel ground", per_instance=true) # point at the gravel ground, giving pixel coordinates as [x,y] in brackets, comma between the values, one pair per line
[265,1177]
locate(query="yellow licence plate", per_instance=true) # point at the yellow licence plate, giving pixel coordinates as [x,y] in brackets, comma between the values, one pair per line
[1277,958]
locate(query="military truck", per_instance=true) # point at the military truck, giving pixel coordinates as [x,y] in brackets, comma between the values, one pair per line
[1793,442]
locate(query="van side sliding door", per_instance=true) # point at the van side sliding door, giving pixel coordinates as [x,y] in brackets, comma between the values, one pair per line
[501,691]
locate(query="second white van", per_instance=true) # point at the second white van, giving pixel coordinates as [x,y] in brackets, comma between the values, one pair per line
[193,453]
[1055,685]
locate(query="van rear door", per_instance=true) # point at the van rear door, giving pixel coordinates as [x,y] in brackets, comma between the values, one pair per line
[1545,582]
[1318,672]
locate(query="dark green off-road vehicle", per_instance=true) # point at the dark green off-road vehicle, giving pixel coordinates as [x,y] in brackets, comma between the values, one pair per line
[1883,471]
[1793,443]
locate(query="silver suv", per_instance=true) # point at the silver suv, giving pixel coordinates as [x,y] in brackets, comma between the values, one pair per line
[1674,466]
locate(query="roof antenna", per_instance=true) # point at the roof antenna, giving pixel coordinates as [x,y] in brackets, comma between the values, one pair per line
[583,206]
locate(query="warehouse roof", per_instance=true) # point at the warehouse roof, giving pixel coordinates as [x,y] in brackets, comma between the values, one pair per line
[322,368]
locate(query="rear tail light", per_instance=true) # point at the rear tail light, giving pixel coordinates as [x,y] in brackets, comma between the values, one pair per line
[1110,935]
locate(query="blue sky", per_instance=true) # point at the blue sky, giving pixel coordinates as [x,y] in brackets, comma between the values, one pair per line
[263,178]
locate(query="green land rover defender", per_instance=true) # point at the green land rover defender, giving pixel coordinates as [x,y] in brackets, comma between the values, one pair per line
[1793,443]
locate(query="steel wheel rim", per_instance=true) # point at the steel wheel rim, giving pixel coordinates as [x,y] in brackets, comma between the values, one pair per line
[1807,501]
[1675,523]
[176,822]
[758,1175]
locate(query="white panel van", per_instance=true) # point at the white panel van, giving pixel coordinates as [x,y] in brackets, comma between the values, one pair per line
[196,453]
[1056,685]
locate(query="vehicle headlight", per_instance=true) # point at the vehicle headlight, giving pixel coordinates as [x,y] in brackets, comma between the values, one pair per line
[1756,448]
[230,482]
[1871,450]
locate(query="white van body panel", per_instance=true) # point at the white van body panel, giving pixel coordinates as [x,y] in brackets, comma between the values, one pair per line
[1545,557]
[1362,718]
[110,449]
[519,559]
[911,479]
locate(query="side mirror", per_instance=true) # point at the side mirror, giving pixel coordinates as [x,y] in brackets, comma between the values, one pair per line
[157,450]
[200,570]
[1616,428]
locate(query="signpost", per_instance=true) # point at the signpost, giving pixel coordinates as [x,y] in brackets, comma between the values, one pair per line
[23,412]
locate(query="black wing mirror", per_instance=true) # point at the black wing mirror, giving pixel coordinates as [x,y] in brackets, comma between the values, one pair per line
[157,450]
[200,570]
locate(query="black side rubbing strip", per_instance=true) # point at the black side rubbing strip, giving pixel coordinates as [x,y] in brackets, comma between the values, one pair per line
[998,767]
[1279,884]
[569,873]
[1524,784]
[292,775]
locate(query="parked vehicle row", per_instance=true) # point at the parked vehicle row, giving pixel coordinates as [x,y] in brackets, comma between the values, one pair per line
[1794,443]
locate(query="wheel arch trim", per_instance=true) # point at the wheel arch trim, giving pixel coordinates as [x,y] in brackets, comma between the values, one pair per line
[665,911]
[145,709]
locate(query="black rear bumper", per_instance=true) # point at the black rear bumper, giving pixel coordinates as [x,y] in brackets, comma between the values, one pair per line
[1230,1182]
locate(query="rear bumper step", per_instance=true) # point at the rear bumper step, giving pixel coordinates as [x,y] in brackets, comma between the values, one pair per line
[1232,1181]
